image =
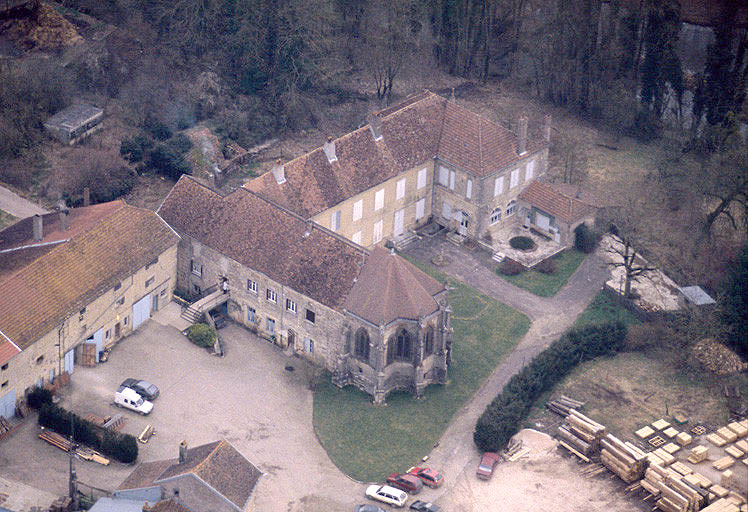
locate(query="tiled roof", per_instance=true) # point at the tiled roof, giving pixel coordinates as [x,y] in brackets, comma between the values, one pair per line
[390,287]
[145,474]
[170,505]
[264,237]
[550,199]
[72,274]
[7,350]
[413,132]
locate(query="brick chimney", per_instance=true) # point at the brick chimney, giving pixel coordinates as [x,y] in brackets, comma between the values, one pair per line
[329,149]
[64,224]
[38,227]
[182,451]
[375,126]
[86,196]
[547,127]
[279,172]
[522,136]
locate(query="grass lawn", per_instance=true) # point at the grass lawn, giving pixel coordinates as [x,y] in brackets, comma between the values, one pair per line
[604,309]
[548,285]
[369,442]
[6,219]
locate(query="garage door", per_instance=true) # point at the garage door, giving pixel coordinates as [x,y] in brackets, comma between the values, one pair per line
[8,404]
[70,361]
[542,221]
[141,311]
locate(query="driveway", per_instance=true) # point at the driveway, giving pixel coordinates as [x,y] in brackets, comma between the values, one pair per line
[246,397]
[18,206]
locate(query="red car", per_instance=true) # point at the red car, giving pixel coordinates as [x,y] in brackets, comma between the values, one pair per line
[487,464]
[406,482]
[428,476]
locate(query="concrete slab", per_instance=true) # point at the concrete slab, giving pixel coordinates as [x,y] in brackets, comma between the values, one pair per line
[171,315]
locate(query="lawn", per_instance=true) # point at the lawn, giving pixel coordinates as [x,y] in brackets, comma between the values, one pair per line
[6,219]
[548,285]
[368,442]
[604,309]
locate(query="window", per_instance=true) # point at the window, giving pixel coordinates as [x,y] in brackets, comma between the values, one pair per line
[271,296]
[530,170]
[271,326]
[498,186]
[496,216]
[511,208]
[358,210]
[446,211]
[377,235]
[196,289]
[251,315]
[452,176]
[4,384]
[400,192]
[4,367]
[335,220]
[309,345]
[150,264]
[80,315]
[197,268]
[40,360]
[117,286]
[127,319]
[251,286]
[163,292]
[469,189]
[398,346]
[443,175]
[310,315]
[356,237]
[108,334]
[514,180]
[290,305]
[379,200]
[362,344]
[420,208]
[149,282]
[421,178]
[428,342]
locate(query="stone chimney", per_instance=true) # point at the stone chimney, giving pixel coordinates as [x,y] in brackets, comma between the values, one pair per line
[279,172]
[217,176]
[182,451]
[452,96]
[329,149]
[86,196]
[38,225]
[547,127]
[522,136]
[64,224]
[375,125]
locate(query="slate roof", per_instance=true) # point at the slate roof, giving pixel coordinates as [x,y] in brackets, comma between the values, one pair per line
[390,287]
[552,200]
[73,116]
[413,132]
[63,280]
[266,238]
[218,464]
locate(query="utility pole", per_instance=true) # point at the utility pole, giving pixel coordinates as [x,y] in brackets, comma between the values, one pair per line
[72,477]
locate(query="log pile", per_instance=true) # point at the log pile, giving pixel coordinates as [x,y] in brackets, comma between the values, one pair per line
[581,435]
[624,459]
[564,405]
[673,493]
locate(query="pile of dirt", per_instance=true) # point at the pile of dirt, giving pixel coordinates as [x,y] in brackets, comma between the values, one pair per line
[717,358]
[44,29]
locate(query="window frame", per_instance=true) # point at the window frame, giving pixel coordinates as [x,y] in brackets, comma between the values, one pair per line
[379,200]
[252,286]
[496,215]
[196,268]
[498,186]
[313,319]
[514,178]
[377,232]
[469,189]
[530,170]
[511,208]
[422,178]
[421,208]
[335,220]
[271,295]
[400,189]
[443,176]
[358,210]
[251,315]
[149,282]
[290,305]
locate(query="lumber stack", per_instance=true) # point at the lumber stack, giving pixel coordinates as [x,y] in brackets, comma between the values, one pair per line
[672,491]
[55,439]
[624,459]
[581,435]
[722,505]
[5,425]
[564,405]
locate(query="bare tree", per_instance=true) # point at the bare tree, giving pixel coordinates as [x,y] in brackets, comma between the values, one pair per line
[725,187]
[571,158]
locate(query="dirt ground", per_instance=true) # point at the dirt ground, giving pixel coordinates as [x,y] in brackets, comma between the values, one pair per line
[546,479]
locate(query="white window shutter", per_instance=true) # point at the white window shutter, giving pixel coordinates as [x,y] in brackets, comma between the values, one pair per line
[452,176]
[400,189]
[446,211]
[422,178]
[379,200]
[530,170]
[443,175]
[469,191]
[498,186]
[514,180]
[358,209]
[420,208]
[356,237]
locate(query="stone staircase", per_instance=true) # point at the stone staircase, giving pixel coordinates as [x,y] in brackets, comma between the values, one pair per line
[195,311]
[401,242]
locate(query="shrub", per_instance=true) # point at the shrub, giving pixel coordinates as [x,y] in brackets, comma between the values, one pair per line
[523,243]
[585,240]
[133,148]
[38,397]
[156,128]
[547,266]
[505,414]
[180,143]
[167,162]
[509,267]
[202,335]
[102,171]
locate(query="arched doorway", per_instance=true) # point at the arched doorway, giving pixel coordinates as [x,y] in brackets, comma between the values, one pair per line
[292,340]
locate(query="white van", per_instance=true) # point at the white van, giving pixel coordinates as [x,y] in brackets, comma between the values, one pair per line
[387,494]
[127,397]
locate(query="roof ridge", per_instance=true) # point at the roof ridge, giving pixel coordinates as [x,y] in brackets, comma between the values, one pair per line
[203,462]
[480,145]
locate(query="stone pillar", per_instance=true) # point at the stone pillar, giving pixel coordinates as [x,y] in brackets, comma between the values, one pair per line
[419,383]
[380,359]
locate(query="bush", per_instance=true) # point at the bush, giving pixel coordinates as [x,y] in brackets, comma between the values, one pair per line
[509,267]
[102,171]
[523,243]
[505,414]
[202,335]
[167,162]
[180,143]
[585,240]
[38,397]
[133,148]
[547,266]
[156,128]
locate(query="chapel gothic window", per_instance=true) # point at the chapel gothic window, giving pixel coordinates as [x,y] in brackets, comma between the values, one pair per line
[362,344]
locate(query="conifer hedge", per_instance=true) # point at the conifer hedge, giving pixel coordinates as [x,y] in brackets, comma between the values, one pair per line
[505,414]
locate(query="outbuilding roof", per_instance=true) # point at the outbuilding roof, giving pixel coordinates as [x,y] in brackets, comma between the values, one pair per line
[551,199]
[74,116]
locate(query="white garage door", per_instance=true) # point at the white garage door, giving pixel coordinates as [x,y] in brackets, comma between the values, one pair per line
[70,361]
[141,311]
[8,404]
[542,221]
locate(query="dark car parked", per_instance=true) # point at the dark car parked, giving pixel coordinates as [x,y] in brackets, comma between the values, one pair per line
[142,387]
[406,482]
[424,506]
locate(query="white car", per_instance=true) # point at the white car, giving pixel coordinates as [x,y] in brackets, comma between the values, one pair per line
[129,398]
[387,494]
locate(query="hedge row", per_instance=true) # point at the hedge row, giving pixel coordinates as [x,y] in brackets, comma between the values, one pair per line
[122,447]
[506,413]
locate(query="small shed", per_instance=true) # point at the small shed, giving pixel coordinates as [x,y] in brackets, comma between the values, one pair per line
[696,296]
[74,123]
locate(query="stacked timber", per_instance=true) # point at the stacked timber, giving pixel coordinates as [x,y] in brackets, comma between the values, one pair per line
[564,405]
[722,505]
[672,491]
[55,439]
[624,459]
[5,426]
[581,435]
